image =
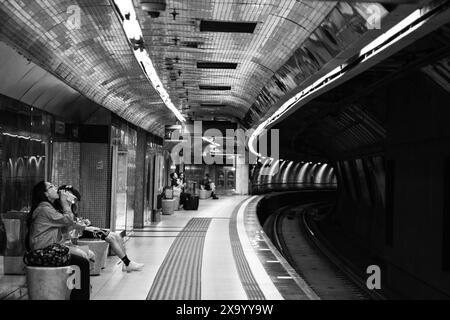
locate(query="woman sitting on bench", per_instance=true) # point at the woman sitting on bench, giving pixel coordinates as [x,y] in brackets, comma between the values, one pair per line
[208,185]
[113,238]
[46,226]
[178,188]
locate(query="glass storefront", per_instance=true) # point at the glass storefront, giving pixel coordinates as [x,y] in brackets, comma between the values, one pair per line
[124,141]
[24,150]
[154,177]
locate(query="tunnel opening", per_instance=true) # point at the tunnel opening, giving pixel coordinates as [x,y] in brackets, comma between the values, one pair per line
[383,136]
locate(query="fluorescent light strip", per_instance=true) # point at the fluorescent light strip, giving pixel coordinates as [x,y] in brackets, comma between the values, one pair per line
[21,137]
[369,51]
[134,31]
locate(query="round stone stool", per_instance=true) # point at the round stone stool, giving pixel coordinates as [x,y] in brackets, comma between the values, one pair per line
[176,204]
[168,206]
[205,194]
[48,283]
[100,248]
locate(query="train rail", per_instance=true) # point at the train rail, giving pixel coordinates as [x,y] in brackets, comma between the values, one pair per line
[326,271]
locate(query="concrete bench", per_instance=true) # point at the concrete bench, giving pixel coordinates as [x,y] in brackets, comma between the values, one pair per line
[176,204]
[12,287]
[13,265]
[168,206]
[100,248]
[205,194]
[15,228]
[52,283]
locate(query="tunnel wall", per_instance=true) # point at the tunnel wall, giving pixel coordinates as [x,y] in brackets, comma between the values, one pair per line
[362,198]
[274,201]
[407,228]
[2,226]
[280,175]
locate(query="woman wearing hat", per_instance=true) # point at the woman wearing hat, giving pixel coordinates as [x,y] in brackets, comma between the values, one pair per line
[90,232]
[47,226]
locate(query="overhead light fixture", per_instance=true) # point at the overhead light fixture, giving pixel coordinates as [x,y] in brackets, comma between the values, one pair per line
[134,33]
[154,7]
[408,25]
[138,44]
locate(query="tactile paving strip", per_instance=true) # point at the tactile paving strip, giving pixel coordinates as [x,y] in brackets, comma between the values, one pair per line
[179,277]
[248,280]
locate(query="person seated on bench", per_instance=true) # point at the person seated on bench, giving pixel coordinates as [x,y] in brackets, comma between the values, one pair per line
[174,180]
[90,232]
[177,184]
[46,226]
[208,185]
[182,180]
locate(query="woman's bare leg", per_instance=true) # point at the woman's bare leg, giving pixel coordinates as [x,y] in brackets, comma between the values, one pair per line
[116,244]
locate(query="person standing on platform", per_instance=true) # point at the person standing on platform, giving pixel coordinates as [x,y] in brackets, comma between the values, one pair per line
[182,181]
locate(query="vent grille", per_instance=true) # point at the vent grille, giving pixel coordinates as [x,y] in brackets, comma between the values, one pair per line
[216,65]
[213,105]
[219,88]
[227,26]
[191,44]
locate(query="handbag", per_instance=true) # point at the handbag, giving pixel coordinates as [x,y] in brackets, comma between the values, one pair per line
[176,192]
[55,255]
[168,193]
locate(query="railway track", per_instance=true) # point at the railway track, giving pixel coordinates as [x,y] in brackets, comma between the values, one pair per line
[324,271]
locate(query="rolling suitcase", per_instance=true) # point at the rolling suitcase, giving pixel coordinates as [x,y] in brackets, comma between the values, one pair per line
[192,203]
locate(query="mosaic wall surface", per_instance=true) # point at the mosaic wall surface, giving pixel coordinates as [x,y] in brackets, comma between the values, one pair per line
[66,163]
[94,178]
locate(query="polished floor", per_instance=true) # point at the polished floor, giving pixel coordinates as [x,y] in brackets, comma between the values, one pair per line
[218,252]
[218,276]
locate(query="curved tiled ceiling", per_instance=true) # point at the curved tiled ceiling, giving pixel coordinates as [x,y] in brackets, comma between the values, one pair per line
[292,41]
[177,44]
[94,59]
[354,118]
